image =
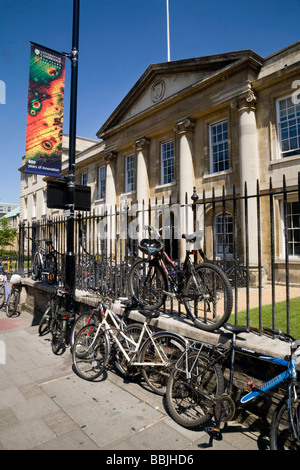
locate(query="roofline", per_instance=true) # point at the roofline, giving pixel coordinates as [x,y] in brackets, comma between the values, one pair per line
[183,65]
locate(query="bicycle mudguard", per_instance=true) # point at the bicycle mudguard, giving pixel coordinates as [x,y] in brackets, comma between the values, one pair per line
[176,335]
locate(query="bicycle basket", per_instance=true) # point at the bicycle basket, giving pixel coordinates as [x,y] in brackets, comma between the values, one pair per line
[150,247]
[16,279]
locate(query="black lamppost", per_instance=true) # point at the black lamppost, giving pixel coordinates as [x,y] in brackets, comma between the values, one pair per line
[70,178]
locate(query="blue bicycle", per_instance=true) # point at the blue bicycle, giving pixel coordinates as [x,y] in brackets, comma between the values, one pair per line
[196,390]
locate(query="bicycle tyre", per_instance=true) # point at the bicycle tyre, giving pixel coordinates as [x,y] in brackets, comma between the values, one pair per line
[186,398]
[82,320]
[36,267]
[281,437]
[58,335]
[126,370]
[51,268]
[208,297]
[2,296]
[45,322]
[171,346]
[13,301]
[89,362]
[147,283]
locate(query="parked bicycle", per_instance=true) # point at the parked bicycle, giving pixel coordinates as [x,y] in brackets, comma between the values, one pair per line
[57,320]
[44,263]
[95,315]
[204,289]
[10,293]
[136,349]
[196,391]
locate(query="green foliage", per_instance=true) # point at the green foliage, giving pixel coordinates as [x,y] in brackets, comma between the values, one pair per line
[7,234]
[280,317]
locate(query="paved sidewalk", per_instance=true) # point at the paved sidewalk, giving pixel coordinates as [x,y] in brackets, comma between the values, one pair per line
[45,406]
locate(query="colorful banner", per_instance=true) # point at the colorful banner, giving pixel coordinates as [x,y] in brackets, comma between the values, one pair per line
[45,112]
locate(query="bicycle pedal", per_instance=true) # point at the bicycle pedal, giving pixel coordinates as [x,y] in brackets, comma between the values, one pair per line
[214,432]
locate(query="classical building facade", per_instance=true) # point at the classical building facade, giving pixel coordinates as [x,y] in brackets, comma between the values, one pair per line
[213,122]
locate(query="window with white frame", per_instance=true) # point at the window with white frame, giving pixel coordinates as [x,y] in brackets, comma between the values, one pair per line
[44,202]
[224,234]
[34,205]
[101,182]
[293,228]
[167,162]
[129,173]
[218,140]
[84,179]
[288,125]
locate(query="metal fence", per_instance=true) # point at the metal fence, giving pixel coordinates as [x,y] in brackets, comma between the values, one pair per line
[253,237]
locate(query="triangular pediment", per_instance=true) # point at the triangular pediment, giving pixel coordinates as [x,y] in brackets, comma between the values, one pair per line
[162,82]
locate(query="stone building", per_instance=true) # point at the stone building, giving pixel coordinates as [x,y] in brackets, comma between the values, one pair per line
[209,122]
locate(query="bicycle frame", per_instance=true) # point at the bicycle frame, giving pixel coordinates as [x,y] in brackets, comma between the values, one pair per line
[116,322]
[290,365]
[187,267]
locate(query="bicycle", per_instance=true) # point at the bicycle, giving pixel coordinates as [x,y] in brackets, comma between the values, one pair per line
[204,289]
[95,316]
[10,293]
[196,391]
[61,322]
[45,321]
[44,263]
[136,350]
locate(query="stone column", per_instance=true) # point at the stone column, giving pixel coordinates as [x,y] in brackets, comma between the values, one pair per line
[110,187]
[185,131]
[142,180]
[249,165]
[110,196]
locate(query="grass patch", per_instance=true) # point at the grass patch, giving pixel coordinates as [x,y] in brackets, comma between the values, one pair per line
[280,317]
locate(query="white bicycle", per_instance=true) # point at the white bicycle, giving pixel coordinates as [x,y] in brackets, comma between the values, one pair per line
[136,350]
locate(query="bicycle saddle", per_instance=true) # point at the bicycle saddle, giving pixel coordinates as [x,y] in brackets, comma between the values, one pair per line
[189,238]
[149,246]
[236,328]
[149,313]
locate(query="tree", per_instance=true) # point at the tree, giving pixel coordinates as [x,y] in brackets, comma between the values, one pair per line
[7,234]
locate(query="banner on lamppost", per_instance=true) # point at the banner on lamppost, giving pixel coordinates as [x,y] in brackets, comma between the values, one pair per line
[45,111]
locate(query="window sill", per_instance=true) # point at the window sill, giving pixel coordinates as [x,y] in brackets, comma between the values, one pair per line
[280,161]
[219,174]
[161,187]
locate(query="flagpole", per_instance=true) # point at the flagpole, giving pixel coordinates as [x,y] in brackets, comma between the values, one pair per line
[168,31]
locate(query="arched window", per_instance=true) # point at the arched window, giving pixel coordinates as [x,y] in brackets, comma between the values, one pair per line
[224,228]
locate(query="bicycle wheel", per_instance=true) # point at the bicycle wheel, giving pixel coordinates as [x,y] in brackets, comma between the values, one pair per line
[168,348]
[45,322]
[58,334]
[87,318]
[132,331]
[147,284]
[36,267]
[208,297]
[281,436]
[2,295]
[13,301]
[51,268]
[190,399]
[91,352]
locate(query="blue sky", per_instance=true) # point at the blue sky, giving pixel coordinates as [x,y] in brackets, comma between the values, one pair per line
[118,39]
